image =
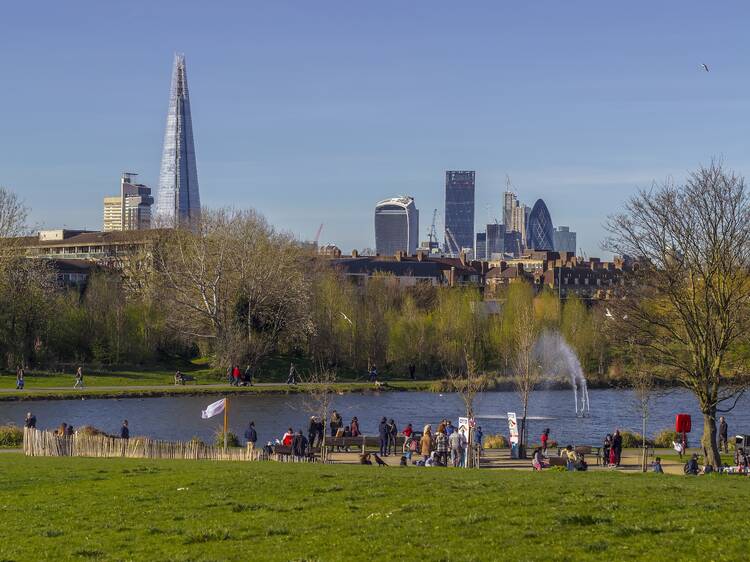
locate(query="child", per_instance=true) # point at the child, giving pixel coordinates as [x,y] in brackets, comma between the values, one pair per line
[656,466]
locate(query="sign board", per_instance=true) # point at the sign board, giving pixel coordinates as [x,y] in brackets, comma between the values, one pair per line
[463,427]
[513,428]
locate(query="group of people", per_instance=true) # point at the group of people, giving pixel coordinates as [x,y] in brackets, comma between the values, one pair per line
[446,444]
[612,449]
[236,377]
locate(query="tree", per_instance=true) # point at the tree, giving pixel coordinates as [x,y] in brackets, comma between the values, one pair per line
[523,328]
[641,379]
[685,303]
[320,386]
[468,382]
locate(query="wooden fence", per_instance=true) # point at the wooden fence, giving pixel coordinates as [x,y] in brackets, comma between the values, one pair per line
[39,443]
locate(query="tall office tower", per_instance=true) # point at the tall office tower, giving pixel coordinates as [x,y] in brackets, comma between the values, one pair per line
[396,226]
[131,209]
[495,241]
[539,231]
[510,202]
[518,221]
[459,211]
[565,239]
[178,202]
[480,248]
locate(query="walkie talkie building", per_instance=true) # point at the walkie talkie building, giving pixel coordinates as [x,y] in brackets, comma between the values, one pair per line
[178,202]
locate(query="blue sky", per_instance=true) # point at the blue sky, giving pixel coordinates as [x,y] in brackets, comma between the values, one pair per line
[311,112]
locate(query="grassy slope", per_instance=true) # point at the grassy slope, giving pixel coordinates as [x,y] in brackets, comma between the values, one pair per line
[131,509]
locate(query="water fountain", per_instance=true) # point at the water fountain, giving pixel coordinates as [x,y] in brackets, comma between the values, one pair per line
[557,360]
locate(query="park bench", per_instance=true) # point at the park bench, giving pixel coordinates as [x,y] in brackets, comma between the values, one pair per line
[186,379]
[556,461]
[361,443]
[586,451]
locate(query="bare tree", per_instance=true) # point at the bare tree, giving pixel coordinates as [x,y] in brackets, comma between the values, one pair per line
[641,380]
[468,383]
[686,301]
[320,386]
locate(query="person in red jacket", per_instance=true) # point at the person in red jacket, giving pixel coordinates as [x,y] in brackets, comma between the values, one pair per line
[236,375]
[407,431]
[545,438]
[287,439]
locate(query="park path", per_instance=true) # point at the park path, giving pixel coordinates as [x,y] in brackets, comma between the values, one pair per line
[160,387]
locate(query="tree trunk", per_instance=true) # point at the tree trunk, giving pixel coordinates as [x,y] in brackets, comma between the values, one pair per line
[708,441]
[643,435]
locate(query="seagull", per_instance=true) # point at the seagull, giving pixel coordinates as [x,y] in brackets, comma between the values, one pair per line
[704,67]
[346,318]
[608,313]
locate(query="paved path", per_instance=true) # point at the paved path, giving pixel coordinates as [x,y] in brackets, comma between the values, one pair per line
[218,386]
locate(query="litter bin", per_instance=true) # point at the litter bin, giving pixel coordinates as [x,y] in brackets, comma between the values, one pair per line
[514,451]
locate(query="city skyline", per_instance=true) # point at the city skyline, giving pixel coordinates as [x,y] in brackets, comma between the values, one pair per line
[581,128]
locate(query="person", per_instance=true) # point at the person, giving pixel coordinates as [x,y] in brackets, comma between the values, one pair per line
[392,435]
[251,435]
[449,428]
[373,374]
[69,431]
[124,430]
[545,440]
[79,378]
[408,430]
[19,379]
[571,458]
[268,448]
[354,426]
[335,423]
[691,467]
[236,375]
[286,440]
[383,435]
[292,378]
[299,445]
[178,378]
[410,445]
[425,444]
[679,447]
[30,420]
[478,435]
[723,431]
[62,430]
[656,466]
[412,371]
[457,444]
[365,458]
[740,459]
[606,448]
[537,459]
[431,460]
[320,430]
[347,432]
[247,379]
[312,431]
[339,432]
[617,447]
[229,374]
[441,446]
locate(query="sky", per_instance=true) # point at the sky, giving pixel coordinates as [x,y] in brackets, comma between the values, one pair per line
[311,112]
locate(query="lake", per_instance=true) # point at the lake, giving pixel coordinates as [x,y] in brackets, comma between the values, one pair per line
[179,418]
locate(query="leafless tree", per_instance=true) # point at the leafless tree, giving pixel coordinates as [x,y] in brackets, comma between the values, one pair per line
[526,372]
[686,301]
[13,216]
[319,385]
[468,383]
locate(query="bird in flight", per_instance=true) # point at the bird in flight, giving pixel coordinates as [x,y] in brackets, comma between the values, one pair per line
[704,67]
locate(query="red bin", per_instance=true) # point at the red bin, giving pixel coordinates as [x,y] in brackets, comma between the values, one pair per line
[682,423]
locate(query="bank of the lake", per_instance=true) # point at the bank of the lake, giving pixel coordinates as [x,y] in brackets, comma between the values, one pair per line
[114,509]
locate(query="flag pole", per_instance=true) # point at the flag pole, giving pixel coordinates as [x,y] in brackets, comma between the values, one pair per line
[226,421]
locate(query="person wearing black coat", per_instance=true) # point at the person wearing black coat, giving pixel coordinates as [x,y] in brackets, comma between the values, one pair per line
[384,432]
[617,446]
[299,445]
[124,431]
[312,431]
[251,435]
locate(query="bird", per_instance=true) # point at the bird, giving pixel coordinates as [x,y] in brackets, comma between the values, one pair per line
[346,318]
[704,66]
[378,460]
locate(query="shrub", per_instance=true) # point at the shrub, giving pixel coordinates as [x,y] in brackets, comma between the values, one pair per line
[665,438]
[232,439]
[11,436]
[632,440]
[89,430]
[495,442]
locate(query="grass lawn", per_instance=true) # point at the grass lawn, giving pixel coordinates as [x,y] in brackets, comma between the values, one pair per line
[113,509]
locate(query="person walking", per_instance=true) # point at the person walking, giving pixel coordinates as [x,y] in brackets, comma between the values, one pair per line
[19,378]
[441,446]
[248,378]
[124,430]
[79,378]
[336,423]
[374,374]
[454,442]
[392,434]
[545,439]
[412,371]
[617,447]
[425,443]
[312,431]
[354,427]
[723,432]
[383,434]
[251,435]
[292,378]
[236,375]
[30,420]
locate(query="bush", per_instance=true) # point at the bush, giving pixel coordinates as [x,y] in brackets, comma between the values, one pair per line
[665,438]
[90,430]
[232,439]
[632,440]
[11,436]
[495,442]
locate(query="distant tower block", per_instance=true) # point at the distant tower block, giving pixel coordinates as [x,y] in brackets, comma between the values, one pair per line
[178,201]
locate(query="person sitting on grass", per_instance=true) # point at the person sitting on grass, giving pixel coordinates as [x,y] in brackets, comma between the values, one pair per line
[656,466]
[537,460]
[570,455]
[691,467]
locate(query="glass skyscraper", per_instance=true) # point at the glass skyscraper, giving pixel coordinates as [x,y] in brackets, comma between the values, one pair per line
[178,201]
[539,231]
[459,211]
[396,226]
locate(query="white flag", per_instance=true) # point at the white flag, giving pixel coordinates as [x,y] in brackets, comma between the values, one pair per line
[213,409]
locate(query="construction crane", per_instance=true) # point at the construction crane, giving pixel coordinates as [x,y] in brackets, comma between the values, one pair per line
[432,233]
[317,235]
[452,240]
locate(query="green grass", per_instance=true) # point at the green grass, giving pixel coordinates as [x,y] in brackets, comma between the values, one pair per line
[77,509]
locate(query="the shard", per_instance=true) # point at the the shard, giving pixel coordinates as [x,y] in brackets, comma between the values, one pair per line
[178,202]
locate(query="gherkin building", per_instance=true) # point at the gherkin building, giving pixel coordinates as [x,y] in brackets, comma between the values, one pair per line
[539,230]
